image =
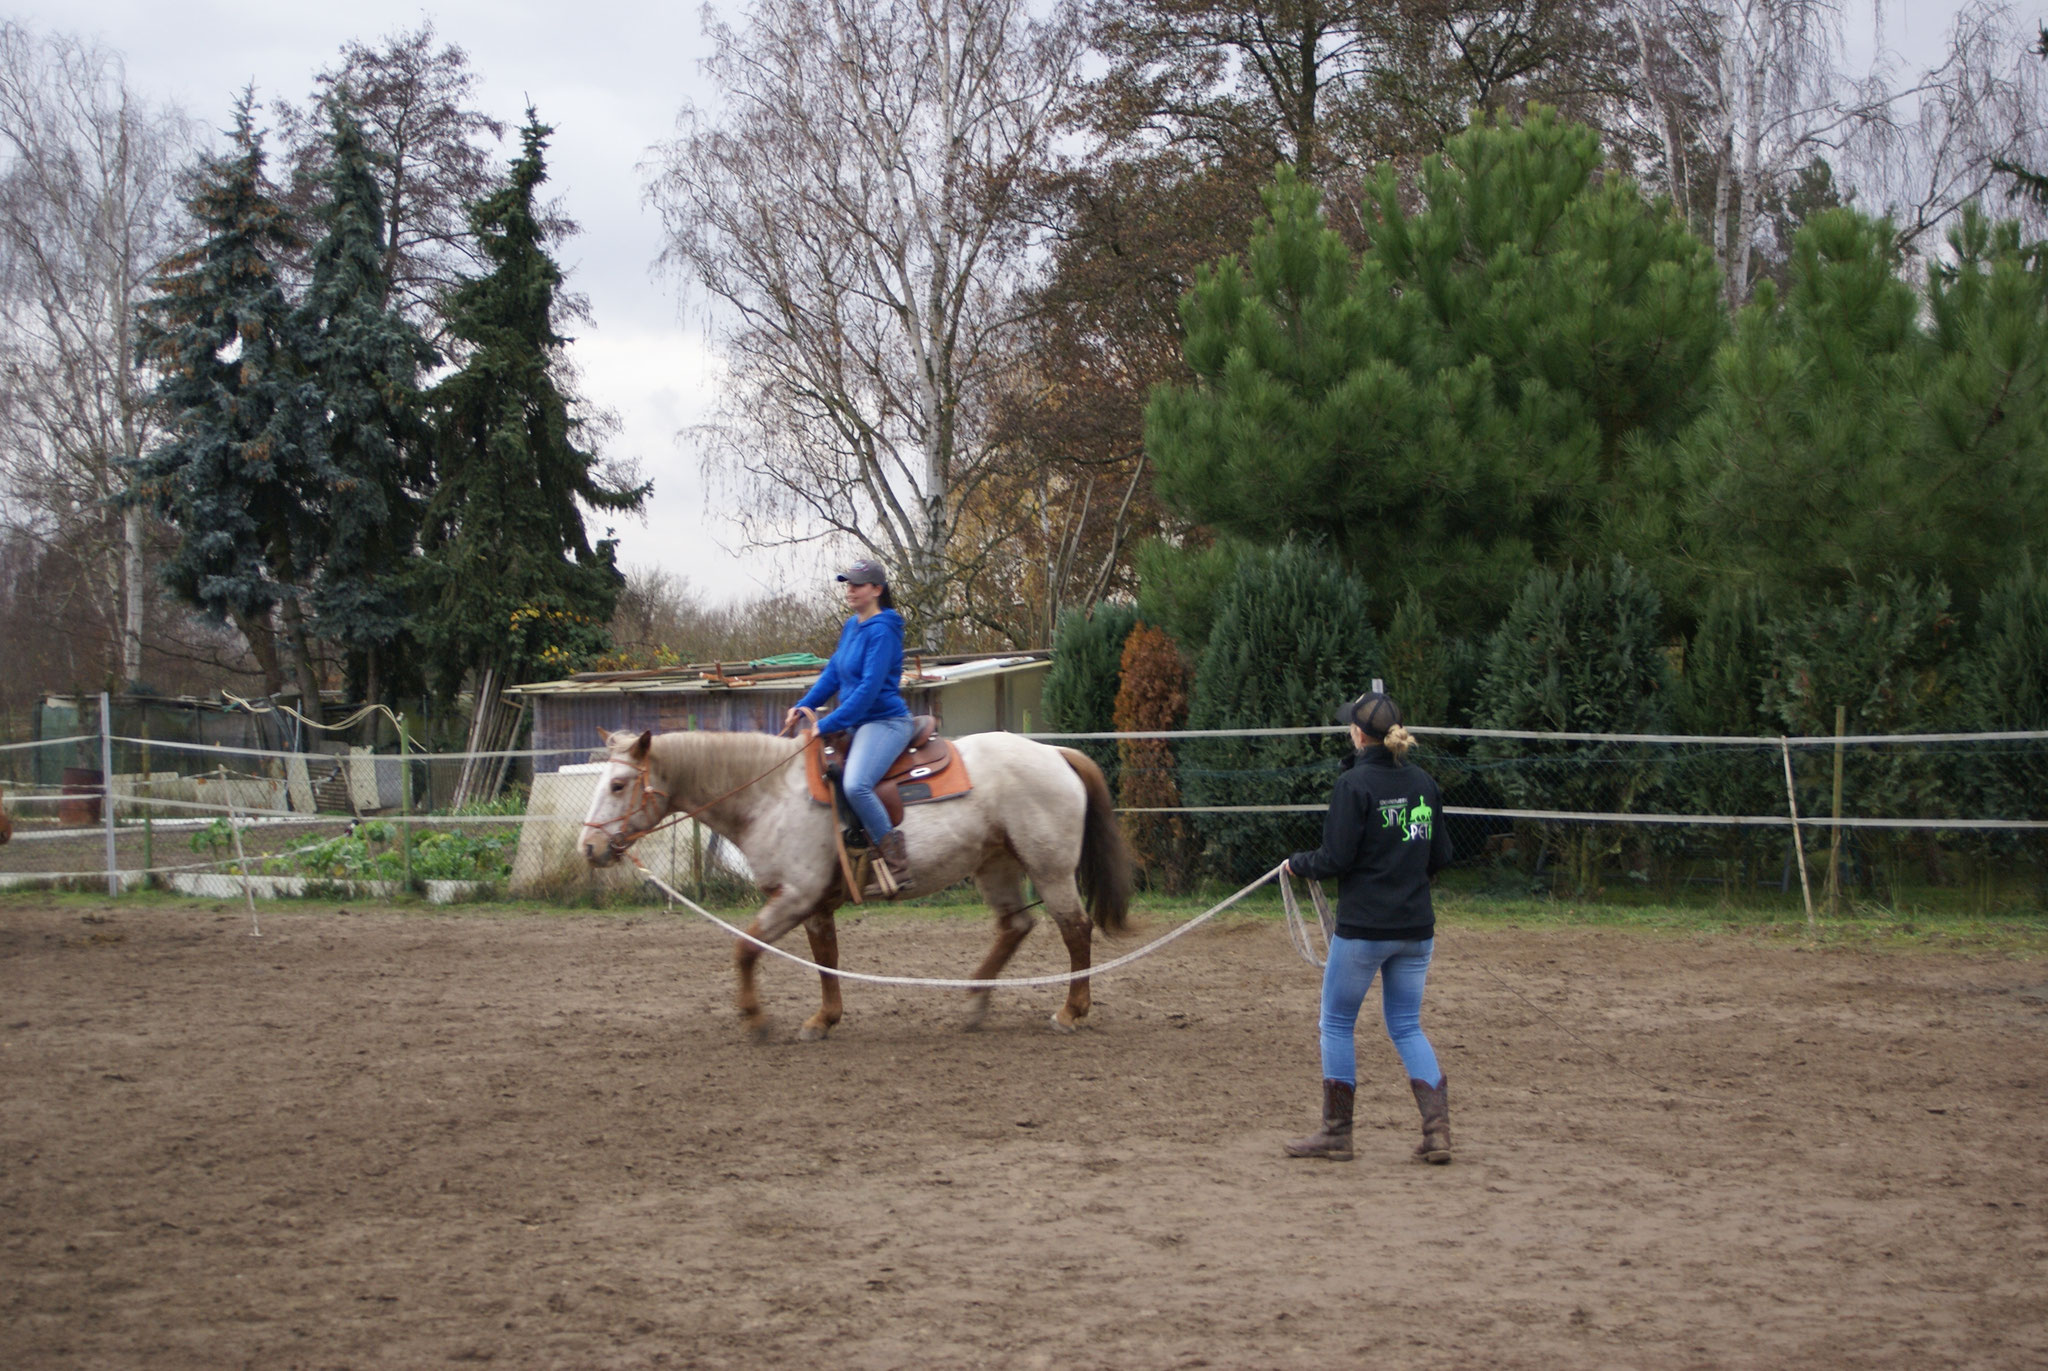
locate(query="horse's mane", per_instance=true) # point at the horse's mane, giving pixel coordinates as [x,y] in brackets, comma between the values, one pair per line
[714,763]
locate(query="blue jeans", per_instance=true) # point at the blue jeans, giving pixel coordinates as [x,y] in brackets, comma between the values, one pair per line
[1346,978]
[876,744]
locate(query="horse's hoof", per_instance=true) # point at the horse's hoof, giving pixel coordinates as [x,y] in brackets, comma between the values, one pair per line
[977,1013]
[1060,1025]
[757,1031]
[815,1032]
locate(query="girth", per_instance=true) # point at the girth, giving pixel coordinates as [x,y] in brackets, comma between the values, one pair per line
[927,771]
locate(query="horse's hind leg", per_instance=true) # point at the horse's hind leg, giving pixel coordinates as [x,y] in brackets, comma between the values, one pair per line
[1063,902]
[1002,884]
[825,952]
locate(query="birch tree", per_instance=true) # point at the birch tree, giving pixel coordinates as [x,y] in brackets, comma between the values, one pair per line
[1744,94]
[860,214]
[88,210]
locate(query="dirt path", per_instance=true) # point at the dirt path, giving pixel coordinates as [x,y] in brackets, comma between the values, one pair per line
[374,1140]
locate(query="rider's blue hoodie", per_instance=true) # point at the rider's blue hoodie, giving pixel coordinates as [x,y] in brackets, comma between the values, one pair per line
[866,673]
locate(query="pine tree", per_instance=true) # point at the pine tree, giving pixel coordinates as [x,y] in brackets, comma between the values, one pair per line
[367,358]
[240,473]
[1854,436]
[1293,641]
[1489,388]
[511,585]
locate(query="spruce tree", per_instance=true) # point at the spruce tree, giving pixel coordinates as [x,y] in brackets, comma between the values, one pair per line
[1888,652]
[1581,651]
[367,359]
[2006,690]
[511,583]
[240,472]
[1293,641]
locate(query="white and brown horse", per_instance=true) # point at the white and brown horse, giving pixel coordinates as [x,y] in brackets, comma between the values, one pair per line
[1035,811]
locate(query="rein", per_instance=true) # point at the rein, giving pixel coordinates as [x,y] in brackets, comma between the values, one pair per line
[620,840]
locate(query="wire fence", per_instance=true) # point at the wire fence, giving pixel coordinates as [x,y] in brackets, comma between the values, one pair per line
[1559,811]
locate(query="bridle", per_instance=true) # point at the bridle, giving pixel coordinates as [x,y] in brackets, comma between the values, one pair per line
[617,837]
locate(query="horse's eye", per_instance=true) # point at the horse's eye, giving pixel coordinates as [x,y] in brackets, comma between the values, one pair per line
[617,786]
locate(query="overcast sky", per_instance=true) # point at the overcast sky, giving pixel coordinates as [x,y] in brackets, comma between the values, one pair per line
[610,78]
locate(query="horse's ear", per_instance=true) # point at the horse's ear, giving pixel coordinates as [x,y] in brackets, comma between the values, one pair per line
[641,745]
[603,733]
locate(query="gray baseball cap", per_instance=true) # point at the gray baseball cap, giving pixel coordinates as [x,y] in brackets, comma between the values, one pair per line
[865,573]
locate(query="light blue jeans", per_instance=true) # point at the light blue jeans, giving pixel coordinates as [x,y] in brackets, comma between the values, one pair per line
[875,744]
[1403,968]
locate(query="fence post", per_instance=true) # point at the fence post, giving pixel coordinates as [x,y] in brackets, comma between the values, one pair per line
[148,791]
[1835,838]
[1798,845]
[107,789]
[404,799]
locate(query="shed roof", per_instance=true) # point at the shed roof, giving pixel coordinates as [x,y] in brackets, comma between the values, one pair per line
[927,672]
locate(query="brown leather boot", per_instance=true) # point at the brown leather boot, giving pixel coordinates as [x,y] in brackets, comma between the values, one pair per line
[1332,1142]
[1435,1104]
[897,860]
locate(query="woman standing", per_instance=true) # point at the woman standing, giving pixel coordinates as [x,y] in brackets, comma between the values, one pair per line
[866,673]
[1383,843]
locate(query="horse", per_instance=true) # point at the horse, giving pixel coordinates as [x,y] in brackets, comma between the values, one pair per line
[1034,810]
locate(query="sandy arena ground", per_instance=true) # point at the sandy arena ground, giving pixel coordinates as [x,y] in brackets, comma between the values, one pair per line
[375,1139]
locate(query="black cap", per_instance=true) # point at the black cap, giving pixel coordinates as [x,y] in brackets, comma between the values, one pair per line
[865,573]
[1373,712]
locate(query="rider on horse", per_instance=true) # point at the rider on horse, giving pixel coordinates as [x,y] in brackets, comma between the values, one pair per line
[866,673]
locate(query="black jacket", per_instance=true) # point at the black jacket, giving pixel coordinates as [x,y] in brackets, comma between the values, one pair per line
[1383,838]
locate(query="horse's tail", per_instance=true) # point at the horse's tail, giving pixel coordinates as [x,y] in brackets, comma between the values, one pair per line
[1105,871]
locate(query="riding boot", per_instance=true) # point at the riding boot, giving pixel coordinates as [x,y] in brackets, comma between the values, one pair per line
[897,860]
[1332,1142]
[1435,1105]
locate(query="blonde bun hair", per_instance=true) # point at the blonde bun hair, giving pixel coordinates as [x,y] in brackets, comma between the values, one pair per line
[1398,741]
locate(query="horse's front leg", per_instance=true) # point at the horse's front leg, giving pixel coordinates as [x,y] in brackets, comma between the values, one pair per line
[825,952]
[785,909]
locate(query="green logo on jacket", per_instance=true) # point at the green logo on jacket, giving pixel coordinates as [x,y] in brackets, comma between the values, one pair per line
[1415,821]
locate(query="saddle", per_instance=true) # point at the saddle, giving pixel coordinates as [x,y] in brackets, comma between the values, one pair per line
[927,771]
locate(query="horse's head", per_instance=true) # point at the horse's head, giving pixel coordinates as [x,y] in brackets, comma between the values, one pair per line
[628,803]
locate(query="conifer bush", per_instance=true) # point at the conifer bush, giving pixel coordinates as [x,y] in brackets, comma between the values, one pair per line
[1087,668]
[1579,652]
[2006,690]
[1887,653]
[1717,692]
[1291,643]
